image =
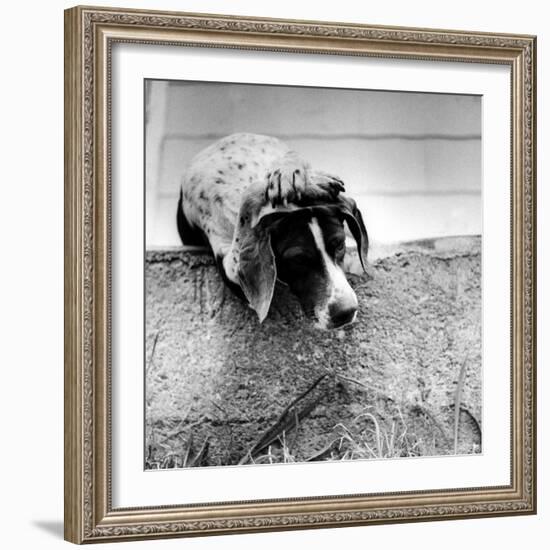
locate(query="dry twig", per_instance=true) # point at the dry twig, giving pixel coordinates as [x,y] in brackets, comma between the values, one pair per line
[285,423]
[458,397]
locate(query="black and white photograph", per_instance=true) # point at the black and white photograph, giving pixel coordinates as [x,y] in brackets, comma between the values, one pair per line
[312,274]
[300,275]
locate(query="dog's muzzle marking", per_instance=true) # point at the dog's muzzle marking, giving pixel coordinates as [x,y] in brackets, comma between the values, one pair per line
[340,306]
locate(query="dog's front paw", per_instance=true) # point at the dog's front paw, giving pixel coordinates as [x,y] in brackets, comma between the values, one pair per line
[325,186]
[287,181]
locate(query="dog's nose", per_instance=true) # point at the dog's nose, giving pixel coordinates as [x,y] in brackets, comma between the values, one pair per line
[340,317]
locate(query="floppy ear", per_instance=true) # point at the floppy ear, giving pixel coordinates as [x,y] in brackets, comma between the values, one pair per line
[257,270]
[354,219]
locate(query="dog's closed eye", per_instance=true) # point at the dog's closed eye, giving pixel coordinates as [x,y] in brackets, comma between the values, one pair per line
[337,244]
[297,256]
[339,250]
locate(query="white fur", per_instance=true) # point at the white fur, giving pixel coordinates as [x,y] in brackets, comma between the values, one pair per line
[339,291]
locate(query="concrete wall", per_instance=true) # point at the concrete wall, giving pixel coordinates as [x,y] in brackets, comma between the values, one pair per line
[413,161]
[216,379]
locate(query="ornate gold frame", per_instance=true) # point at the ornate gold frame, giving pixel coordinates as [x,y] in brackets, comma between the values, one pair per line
[89,34]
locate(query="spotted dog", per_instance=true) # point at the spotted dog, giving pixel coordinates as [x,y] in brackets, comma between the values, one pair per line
[267,216]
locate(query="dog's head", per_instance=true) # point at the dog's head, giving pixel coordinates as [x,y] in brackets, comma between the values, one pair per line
[304,248]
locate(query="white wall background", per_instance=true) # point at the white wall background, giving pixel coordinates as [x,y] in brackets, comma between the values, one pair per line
[412,161]
[31,293]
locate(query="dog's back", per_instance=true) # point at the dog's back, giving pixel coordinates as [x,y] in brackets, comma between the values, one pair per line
[215,181]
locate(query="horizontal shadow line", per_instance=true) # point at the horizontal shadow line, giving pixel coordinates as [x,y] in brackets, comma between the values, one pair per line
[340,136]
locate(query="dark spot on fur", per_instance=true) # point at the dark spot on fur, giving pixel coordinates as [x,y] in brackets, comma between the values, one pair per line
[220,172]
[218,199]
[219,180]
[222,148]
[202,195]
[240,166]
[241,221]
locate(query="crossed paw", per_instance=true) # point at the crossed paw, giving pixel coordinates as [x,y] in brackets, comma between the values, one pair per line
[292,179]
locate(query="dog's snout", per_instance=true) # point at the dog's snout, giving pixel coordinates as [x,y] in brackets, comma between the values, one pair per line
[343,308]
[340,317]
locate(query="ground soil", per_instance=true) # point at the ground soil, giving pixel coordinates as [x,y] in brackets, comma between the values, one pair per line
[221,389]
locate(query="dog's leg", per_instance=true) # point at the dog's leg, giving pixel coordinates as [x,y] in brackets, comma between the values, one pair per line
[189,235]
[287,179]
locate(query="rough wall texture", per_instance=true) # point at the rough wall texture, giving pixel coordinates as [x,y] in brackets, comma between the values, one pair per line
[222,389]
